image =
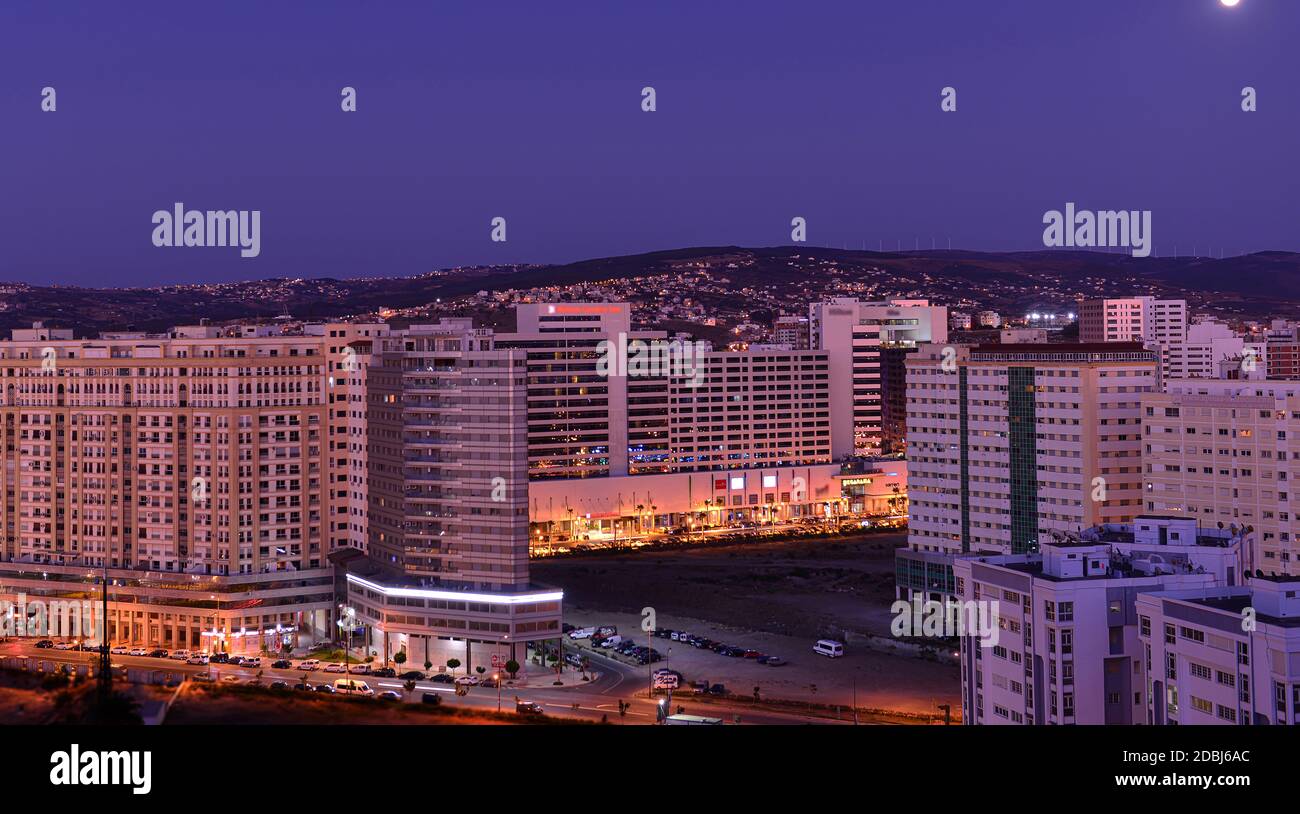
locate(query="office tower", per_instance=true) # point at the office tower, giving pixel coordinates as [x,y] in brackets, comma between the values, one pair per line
[1223,655]
[446,574]
[1137,319]
[1222,452]
[192,465]
[858,336]
[1009,443]
[582,424]
[1068,648]
[761,407]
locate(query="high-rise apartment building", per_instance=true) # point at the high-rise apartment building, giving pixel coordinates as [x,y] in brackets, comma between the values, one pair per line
[761,407]
[867,343]
[1010,443]
[193,465]
[791,331]
[447,569]
[1147,320]
[582,424]
[1225,452]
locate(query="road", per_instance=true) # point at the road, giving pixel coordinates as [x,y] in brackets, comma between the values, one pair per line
[590,700]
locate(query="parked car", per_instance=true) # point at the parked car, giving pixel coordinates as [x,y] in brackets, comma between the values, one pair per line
[582,633]
[431,698]
[63,645]
[471,681]
[279,685]
[120,650]
[717,689]
[490,683]
[157,654]
[361,669]
[390,695]
[134,651]
[412,675]
[775,661]
[443,678]
[282,664]
[385,672]
[45,644]
[752,654]
[197,658]
[250,661]
[309,665]
[334,667]
[301,687]
[219,658]
[324,688]
[180,655]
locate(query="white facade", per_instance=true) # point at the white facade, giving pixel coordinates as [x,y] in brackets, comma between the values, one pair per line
[1222,655]
[859,338]
[1068,650]
[1148,320]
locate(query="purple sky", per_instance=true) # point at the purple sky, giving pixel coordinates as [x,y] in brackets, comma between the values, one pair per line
[531,111]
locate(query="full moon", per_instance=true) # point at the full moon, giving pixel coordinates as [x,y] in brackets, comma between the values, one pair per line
[1229,3]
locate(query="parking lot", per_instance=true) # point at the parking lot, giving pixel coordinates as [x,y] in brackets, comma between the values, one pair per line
[872,678]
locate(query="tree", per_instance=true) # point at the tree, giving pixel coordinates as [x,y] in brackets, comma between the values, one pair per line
[480,669]
[512,667]
[428,665]
[399,658]
[452,664]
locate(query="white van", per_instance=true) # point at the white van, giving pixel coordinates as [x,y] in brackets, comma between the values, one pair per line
[829,648]
[351,686]
[180,655]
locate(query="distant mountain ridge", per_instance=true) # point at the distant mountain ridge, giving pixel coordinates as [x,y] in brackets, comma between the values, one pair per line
[1254,285]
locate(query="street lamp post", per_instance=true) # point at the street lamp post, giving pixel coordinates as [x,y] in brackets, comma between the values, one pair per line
[497,678]
[348,623]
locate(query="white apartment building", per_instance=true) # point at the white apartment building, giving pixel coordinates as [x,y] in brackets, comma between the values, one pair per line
[1226,655]
[1208,343]
[1010,443]
[868,344]
[1223,451]
[1068,648]
[1137,319]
